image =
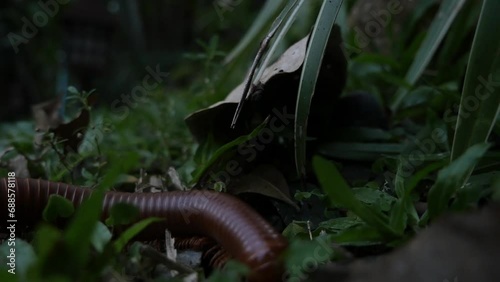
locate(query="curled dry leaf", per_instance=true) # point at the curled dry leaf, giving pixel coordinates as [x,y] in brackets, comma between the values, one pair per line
[71,134]
[265,180]
[46,114]
[276,91]
[216,119]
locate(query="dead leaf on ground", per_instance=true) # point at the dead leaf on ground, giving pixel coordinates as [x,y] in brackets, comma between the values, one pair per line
[265,180]
[71,134]
[46,114]
[276,89]
[216,119]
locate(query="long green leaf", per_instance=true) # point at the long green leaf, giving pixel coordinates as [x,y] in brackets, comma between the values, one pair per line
[310,72]
[226,148]
[480,102]
[438,29]
[132,231]
[289,9]
[291,16]
[258,29]
[78,235]
[341,194]
[450,179]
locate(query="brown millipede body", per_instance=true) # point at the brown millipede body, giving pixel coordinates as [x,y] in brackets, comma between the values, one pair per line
[240,230]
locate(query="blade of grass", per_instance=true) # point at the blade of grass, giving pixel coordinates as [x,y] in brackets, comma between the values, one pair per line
[279,37]
[225,149]
[312,63]
[450,179]
[78,235]
[263,49]
[481,87]
[438,29]
[258,29]
[341,194]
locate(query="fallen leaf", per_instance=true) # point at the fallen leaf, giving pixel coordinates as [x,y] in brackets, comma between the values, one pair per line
[265,180]
[46,114]
[71,134]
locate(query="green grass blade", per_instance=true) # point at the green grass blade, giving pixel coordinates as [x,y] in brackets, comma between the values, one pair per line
[264,51]
[438,29]
[224,149]
[258,29]
[310,72]
[480,102]
[340,194]
[291,15]
[450,179]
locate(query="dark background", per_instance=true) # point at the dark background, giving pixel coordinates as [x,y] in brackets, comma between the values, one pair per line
[105,45]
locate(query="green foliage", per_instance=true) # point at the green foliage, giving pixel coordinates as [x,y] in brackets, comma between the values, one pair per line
[57,206]
[481,86]
[340,194]
[312,64]
[444,18]
[121,214]
[407,161]
[451,178]
[234,271]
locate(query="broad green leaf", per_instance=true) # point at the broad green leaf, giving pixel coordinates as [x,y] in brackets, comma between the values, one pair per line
[310,71]
[341,194]
[412,181]
[78,235]
[374,198]
[438,29]
[480,102]
[363,235]
[132,231]
[232,271]
[121,214]
[57,207]
[319,250]
[101,236]
[294,229]
[399,215]
[340,224]
[451,178]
